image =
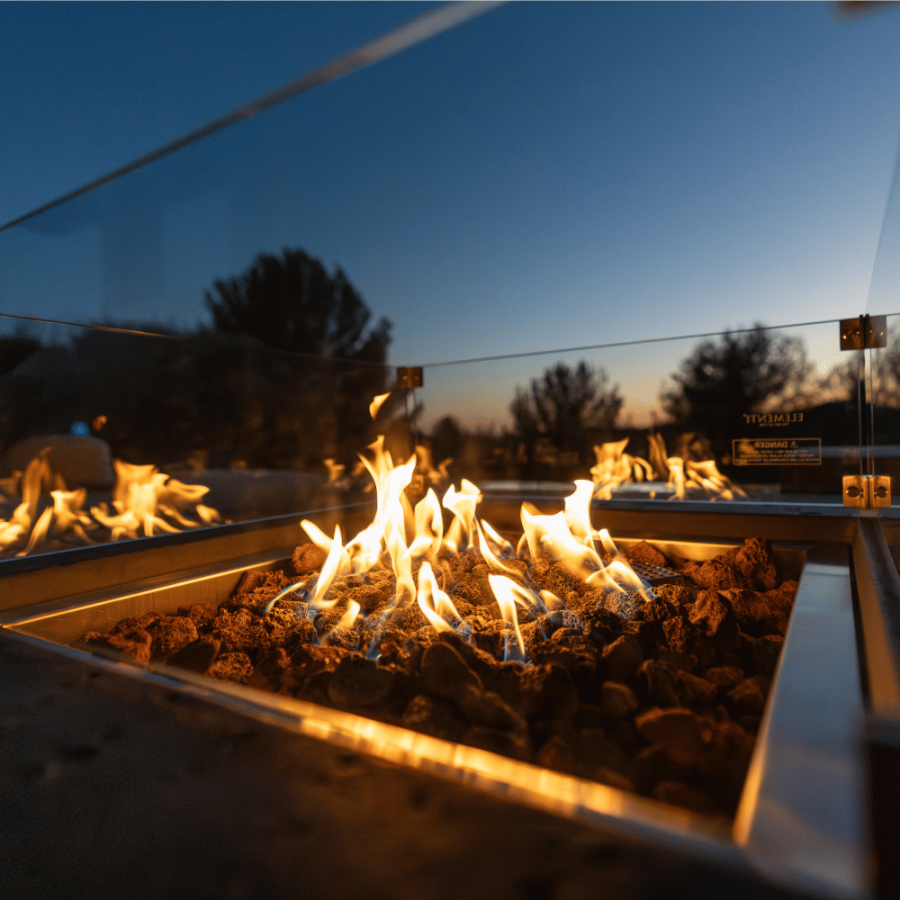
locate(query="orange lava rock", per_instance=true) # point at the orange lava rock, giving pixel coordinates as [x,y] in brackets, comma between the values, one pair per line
[307,558]
[677,730]
[435,717]
[623,657]
[136,623]
[716,576]
[716,620]
[747,697]
[446,673]
[135,643]
[170,634]
[695,691]
[358,681]
[659,681]
[646,553]
[617,700]
[232,667]
[764,652]
[200,613]
[756,562]
[198,656]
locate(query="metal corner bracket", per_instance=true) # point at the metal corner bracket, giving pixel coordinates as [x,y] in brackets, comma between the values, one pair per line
[863,332]
[409,377]
[867,491]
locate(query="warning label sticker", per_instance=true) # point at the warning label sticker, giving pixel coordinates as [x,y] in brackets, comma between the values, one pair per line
[777,451]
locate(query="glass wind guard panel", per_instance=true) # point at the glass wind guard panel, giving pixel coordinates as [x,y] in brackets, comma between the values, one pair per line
[882,410]
[109,436]
[762,414]
[485,210]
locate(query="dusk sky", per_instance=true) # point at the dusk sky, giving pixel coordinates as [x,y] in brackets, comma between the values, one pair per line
[548,175]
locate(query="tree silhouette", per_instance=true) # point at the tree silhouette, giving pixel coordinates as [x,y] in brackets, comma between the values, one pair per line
[720,382]
[292,303]
[15,350]
[567,409]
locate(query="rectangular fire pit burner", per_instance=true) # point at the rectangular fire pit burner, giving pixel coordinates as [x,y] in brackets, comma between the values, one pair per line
[800,817]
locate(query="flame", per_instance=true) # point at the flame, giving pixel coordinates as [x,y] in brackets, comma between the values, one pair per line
[335,470]
[144,502]
[578,512]
[437,606]
[23,516]
[550,536]
[615,467]
[508,594]
[337,562]
[377,403]
[462,504]
[429,527]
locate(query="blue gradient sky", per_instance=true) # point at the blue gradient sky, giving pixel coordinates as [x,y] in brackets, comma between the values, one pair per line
[549,175]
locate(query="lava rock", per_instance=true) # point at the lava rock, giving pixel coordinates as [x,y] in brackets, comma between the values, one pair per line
[170,634]
[435,717]
[136,623]
[715,575]
[716,620]
[487,709]
[751,609]
[675,595]
[597,752]
[200,613]
[446,674]
[695,691]
[725,762]
[646,553]
[617,700]
[747,697]
[358,681]
[756,562]
[514,744]
[679,635]
[659,682]
[680,794]
[198,656]
[236,667]
[677,730]
[546,691]
[764,652]
[622,657]
[136,643]
[557,755]
[307,558]
[269,671]
[723,677]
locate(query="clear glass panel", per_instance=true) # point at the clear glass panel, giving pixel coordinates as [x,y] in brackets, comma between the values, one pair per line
[132,418]
[881,377]
[774,409]
[879,370]
[491,212]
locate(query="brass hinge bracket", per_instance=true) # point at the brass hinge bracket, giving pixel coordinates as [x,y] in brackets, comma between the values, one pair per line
[864,333]
[867,491]
[409,377]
